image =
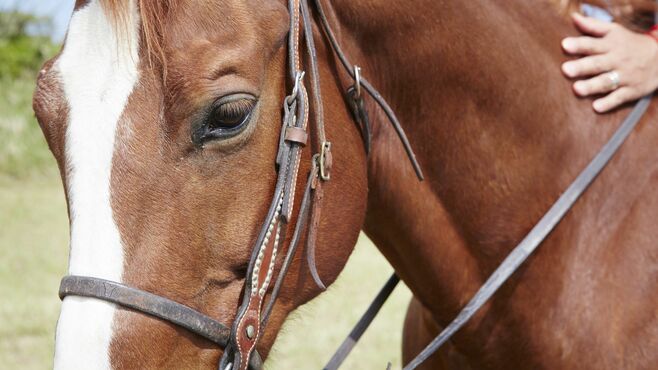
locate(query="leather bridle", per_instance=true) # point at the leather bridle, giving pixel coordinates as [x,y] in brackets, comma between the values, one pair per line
[239,342]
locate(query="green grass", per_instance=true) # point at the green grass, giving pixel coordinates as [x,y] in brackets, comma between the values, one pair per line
[33,257]
[23,150]
[314,331]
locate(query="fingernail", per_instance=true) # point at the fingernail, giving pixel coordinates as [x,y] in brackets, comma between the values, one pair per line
[598,106]
[567,44]
[579,87]
[568,69]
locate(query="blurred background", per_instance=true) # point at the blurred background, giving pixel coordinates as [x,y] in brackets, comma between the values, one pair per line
[34,229]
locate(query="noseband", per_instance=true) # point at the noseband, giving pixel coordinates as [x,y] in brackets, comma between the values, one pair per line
[239,342]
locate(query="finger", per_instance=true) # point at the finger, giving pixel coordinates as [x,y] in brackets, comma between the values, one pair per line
[588,66]
[591,26]
[614,99]
[584,45]
[600,84]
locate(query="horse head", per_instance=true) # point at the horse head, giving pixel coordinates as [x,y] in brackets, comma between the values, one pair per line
[172,123]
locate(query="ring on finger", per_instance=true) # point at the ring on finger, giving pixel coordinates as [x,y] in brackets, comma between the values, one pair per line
[613,76]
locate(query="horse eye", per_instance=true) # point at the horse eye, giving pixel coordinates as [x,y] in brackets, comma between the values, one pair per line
[230,115]
[227,117]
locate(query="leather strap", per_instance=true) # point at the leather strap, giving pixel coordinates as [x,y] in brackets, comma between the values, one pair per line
[151,304]
[324,157]
[348,344]
[297,135]
[360,116]
[316,213]
[377,97]
[294,243]
[248,324]
[514,260]
[538,233]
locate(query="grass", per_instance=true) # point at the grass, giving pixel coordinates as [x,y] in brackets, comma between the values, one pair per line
[314,331]
[23,151]
[33,257]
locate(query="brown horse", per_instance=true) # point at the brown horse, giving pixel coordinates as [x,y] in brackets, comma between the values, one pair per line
[477,85]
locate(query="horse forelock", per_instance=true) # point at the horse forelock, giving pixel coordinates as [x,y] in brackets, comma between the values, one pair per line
[153,16]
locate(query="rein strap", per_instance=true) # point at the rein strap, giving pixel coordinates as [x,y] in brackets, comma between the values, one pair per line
[513,261]
[538,233]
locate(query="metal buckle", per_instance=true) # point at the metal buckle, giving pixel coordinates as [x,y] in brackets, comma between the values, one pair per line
[357,80]
[325,161]
[290,114]
[290,102]
[290,99]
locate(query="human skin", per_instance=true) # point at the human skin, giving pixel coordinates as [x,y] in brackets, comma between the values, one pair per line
[607,47]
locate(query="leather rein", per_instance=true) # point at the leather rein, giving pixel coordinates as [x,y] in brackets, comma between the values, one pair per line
[514,259]
[239,342]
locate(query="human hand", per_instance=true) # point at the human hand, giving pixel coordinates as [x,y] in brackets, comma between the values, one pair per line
[614,62]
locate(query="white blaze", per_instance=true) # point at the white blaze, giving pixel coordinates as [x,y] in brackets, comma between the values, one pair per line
[98,70]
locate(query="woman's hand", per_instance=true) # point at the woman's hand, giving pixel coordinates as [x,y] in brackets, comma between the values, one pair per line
[616,63]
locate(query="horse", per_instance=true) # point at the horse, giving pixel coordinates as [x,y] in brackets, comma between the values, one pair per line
[165,121]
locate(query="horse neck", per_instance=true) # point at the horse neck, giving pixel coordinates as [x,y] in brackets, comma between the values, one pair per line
[478,88]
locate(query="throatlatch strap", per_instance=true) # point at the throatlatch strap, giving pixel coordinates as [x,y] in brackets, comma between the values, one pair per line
[377,97]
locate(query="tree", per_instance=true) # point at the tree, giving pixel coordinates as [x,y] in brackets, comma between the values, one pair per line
[24,44]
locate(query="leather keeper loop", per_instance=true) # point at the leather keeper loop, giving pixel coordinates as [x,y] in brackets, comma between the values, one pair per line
[296,135]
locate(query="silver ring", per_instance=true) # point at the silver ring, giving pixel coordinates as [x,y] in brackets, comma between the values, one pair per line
[614,79]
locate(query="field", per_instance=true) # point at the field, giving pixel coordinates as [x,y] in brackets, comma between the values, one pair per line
[34,253]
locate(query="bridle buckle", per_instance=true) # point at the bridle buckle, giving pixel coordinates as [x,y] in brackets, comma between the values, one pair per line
[326,161]
[290,99]
[357,81]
